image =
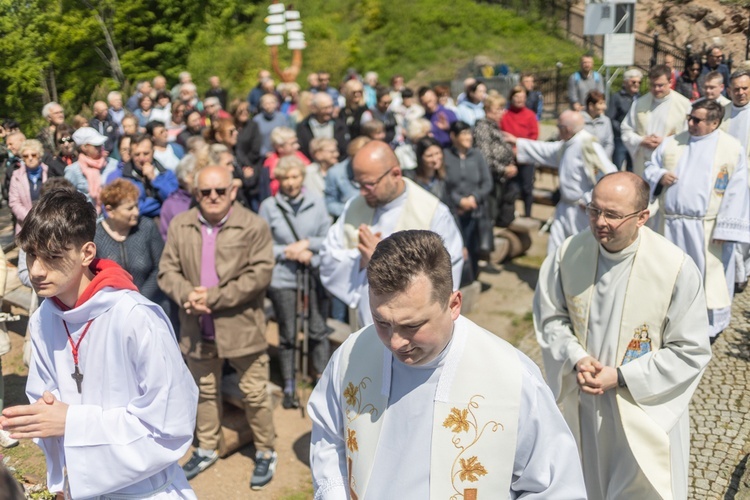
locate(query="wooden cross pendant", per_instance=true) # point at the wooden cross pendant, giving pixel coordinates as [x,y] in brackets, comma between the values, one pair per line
[78,377]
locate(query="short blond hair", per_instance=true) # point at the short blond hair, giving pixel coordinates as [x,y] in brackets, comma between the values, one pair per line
[494,101]
[418,128]
[287,164]
[280,135]
[320,143]
[33,145]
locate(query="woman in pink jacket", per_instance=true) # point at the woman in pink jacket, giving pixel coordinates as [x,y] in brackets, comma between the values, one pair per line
[26,182]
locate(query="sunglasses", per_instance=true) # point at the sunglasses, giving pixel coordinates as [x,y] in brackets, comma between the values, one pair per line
[219,191]
[31,155]
[65,140]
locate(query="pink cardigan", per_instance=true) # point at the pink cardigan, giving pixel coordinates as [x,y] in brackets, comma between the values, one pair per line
[19,194]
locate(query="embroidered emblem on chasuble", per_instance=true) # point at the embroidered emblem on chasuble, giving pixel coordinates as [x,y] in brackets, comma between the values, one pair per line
[722,181]
[355,408]
[638,346]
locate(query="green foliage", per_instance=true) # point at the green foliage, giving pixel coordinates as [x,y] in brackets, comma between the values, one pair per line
[58,48]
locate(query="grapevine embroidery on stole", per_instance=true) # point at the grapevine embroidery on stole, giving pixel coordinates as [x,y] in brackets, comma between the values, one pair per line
[461,421]
[355,409]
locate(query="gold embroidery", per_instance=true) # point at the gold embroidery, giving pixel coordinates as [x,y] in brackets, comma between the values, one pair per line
[469,469]
[354,409]
[351,440]
[458,420]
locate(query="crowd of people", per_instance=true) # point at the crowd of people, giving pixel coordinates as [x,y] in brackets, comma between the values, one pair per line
[331,195]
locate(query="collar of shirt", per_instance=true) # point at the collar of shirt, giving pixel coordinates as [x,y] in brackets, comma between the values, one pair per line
[209,227]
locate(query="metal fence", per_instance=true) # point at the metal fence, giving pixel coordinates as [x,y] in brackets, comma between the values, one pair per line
[563,16]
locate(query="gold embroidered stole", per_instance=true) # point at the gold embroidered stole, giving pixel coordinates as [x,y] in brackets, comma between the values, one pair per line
[475,419]
[417,213]
[728,150]
[679,106]
[647,298]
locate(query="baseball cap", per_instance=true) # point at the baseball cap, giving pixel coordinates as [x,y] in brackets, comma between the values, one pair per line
[88,135]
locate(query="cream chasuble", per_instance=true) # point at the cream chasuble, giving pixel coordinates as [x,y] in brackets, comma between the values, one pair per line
[662,117]
[640,310]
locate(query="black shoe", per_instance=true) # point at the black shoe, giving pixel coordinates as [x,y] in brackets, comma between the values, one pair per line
[265,466]
[740,287]
[290,401]
[198,464]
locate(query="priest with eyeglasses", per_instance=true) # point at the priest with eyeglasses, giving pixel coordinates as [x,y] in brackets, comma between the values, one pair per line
[700,179]
[620,315]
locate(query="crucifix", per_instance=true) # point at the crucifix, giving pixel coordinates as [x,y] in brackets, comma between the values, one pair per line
[78,377]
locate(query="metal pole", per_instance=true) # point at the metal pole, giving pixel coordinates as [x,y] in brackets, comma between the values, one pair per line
[558,67]
[655,51]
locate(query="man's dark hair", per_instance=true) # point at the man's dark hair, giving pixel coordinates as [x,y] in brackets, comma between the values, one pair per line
[406,93]
[714,111]
[61,219]
[739,74]
[423,90]
[139,138]
[153,124]
[658,71]
[459,126]
[403,256]
[381,92]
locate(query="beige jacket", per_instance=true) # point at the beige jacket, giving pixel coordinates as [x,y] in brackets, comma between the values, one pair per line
[244,263]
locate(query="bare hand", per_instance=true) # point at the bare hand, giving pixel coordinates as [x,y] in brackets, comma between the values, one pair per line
[43,419]
[668,179]
[509,138]
[510,171]
[367,243]
[652,141]
[292,251]
[196,303]
[442,121]
[305,257]
[148,170]
[247,172]
[468,203]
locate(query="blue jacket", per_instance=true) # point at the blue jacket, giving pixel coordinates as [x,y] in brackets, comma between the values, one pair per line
[339,188]
[74,174]
[153,193]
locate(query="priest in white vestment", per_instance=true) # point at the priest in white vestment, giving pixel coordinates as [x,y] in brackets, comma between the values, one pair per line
[424,404]
[700,177]
[581,161]
[387,202]
[653,117]
[619,313]
[737,124]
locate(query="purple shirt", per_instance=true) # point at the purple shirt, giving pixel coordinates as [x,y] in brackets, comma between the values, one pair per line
[176,203]
[209,276]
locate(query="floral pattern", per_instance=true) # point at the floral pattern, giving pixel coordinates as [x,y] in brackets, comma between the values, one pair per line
[464,421]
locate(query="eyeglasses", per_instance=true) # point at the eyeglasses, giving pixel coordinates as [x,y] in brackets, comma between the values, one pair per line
[30,155]
[219,191]
[65,140]
[694,119]
[357,92]
[369,186]
[594,213]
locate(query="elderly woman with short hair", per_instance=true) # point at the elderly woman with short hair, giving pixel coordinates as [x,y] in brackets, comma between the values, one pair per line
[130,240]
[26,181]
[180,200]
[299,223]
[285,143]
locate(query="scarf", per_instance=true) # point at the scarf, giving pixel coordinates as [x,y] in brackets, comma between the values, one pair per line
[92,171]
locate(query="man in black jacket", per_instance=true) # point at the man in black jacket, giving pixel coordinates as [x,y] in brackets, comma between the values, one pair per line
[321,124]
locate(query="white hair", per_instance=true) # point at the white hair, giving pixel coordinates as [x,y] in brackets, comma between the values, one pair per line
[185,168]
[47,109]
[185,75]
[632,73]
[112,95]
[212,101]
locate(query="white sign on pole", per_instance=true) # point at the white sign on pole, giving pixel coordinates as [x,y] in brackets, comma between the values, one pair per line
[603,18]
[619,49]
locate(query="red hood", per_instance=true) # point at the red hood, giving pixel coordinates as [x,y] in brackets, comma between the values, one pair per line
[107,273]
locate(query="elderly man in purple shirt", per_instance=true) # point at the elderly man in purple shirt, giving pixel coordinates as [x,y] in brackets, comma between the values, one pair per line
[441,118]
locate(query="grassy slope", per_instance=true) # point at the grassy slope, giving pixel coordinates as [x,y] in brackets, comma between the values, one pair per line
[423,39]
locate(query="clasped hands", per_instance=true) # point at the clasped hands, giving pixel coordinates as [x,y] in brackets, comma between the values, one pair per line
[197,302]
[43,419]
[367,243]
[299,251]
[594,378]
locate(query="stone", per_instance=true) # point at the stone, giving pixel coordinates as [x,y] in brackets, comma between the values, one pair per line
[714,19]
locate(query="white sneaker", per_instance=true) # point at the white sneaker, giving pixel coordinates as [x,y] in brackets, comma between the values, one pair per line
[6,441]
